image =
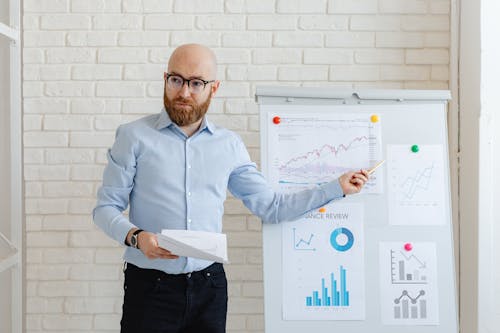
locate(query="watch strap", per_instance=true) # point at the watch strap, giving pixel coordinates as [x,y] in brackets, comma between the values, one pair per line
[137,232]
[134,236]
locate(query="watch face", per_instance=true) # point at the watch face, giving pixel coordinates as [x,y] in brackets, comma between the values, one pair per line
[133,241]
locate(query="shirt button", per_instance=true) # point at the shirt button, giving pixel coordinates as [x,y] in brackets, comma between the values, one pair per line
[189,193]
[189,166]
[189,220]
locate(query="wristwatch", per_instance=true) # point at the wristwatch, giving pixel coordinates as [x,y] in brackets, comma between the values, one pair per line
[133,240]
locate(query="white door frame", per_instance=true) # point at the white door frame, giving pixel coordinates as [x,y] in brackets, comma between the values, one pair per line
[14,262]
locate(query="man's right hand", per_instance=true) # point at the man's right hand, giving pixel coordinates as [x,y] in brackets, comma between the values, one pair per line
[148,244]
[353,182]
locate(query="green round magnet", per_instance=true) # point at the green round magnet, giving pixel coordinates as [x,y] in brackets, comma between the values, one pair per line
[414,148]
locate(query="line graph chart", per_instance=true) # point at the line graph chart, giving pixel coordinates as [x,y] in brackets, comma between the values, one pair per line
[416,183]
[419,182]
[407,269]
[310,150]
[301,244]
[318,164]
[407,306]
[409,287]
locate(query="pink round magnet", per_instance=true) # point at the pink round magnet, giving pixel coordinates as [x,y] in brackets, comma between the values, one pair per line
[408,247]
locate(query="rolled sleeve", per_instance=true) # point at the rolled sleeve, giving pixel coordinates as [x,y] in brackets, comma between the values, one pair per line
[249,185]
[333,189]
[113,196]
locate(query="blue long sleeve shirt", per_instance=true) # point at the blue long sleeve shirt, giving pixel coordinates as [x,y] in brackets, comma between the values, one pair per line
[172,181]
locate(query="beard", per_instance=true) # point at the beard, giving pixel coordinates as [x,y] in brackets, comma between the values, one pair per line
[185,116]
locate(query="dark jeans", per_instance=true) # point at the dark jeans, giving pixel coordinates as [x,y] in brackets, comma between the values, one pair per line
[183,303]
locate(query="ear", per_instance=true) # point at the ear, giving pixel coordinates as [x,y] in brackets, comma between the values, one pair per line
[215,87]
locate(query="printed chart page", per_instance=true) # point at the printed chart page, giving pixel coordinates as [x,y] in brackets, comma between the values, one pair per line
[313,148]
[323,252]
[323,265]
[408,283]
[416,180]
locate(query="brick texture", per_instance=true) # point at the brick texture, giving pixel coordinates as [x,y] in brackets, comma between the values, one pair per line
[90,65]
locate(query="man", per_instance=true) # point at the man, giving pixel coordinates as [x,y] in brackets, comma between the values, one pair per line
[174,168]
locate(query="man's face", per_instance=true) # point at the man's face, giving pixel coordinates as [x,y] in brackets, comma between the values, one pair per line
[185,108]
[184,104]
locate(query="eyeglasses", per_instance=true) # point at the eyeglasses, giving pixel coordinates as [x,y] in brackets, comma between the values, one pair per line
[196,86]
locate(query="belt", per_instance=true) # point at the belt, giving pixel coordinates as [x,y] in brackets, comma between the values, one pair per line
[148,273]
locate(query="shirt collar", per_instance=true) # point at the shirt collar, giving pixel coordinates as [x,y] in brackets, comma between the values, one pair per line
[164,121]
[206,124]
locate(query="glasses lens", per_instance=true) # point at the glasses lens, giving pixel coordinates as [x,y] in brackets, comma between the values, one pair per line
[175,82]
[196,86]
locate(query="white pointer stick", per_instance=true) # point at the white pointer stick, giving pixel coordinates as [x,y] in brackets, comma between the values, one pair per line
[372,170]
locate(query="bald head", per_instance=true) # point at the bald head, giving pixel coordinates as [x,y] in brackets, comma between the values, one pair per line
[193,60]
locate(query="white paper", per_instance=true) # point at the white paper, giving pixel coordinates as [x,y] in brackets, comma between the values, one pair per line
[314,147]
[196,244]
[416,185]
[323,265]
[408,284]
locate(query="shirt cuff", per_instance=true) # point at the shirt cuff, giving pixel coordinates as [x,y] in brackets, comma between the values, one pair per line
[120,228]
[333,190]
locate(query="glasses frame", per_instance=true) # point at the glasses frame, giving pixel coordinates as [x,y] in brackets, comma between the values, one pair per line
[188,81]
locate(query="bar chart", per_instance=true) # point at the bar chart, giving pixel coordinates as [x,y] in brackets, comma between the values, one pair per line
[410,307]
[409,288]
[407,269]
[332,293]
[319,281]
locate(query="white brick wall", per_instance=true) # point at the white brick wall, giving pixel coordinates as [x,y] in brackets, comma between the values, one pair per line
[90,65]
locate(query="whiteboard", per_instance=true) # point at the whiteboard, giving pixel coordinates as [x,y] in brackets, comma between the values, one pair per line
[407,118]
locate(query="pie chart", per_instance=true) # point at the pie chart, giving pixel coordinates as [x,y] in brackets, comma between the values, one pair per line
[338,239]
